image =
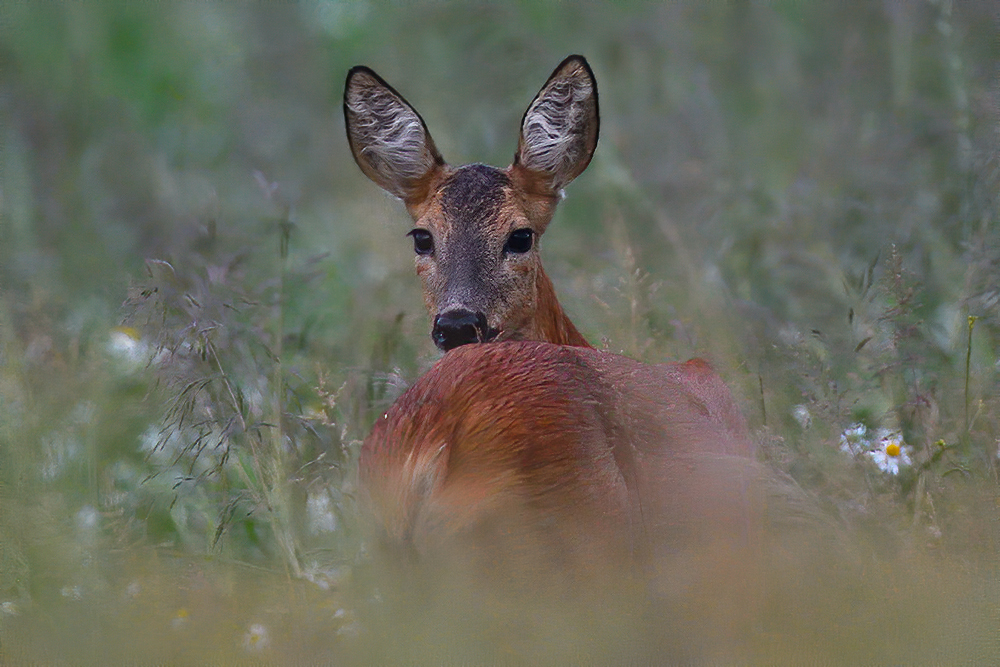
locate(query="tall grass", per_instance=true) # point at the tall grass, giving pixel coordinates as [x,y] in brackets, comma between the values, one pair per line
[203,303]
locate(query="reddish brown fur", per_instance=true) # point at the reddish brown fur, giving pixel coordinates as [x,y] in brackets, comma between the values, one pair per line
[542,457]
[565,455]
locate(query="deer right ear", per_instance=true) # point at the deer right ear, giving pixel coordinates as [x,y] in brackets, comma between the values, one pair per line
[388,138]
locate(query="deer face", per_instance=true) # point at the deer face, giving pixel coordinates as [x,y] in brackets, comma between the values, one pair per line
[477,228]
[476,250]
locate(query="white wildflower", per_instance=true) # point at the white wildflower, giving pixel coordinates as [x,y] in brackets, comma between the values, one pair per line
[86,518]
[256,638]
[126,344]
[71,592]
[320,516]
[853,440]
[890,452]
[801,414]
[180,619]
[87,524]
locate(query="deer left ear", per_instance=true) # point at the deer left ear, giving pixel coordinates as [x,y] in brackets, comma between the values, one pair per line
[560,127]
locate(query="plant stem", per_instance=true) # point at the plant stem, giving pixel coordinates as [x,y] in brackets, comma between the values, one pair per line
[968,365]
[279,484]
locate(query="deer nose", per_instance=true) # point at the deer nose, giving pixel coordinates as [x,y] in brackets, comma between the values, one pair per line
[459,327]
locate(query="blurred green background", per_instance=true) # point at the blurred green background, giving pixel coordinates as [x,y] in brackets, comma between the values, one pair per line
[204,303]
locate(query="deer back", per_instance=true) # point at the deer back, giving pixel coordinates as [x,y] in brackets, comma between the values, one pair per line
[572,455]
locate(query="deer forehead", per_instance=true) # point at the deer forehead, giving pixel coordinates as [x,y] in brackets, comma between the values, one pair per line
[474,202]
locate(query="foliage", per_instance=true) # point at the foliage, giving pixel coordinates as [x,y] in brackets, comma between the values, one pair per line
[203,303]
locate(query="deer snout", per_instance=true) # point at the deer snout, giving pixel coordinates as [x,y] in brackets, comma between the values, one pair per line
[460,327]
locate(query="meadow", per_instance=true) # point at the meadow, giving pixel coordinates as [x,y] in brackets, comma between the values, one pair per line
[204,304]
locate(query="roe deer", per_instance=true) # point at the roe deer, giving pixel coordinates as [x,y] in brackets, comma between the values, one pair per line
[520,481]
[532,452]
[477,227]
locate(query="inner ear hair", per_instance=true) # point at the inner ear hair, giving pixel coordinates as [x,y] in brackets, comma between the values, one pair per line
[388,138]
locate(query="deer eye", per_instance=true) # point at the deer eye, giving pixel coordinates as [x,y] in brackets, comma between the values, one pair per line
[519,241]
[423,242]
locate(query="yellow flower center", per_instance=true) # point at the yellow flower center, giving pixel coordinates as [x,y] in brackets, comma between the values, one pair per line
[892,449]
[130,332]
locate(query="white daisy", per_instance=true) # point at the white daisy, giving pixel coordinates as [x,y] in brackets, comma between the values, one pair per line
[126,344]
[255,638]
[853,440]
[890,452]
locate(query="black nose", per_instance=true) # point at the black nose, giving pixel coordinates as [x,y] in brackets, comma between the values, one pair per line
[459,327]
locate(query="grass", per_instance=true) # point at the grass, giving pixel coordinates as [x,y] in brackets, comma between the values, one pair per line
[203,303]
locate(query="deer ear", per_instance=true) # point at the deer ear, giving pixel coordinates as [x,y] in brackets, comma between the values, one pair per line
[388,138]
[559,130]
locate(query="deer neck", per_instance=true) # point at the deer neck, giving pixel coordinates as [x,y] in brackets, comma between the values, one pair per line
[551,323]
